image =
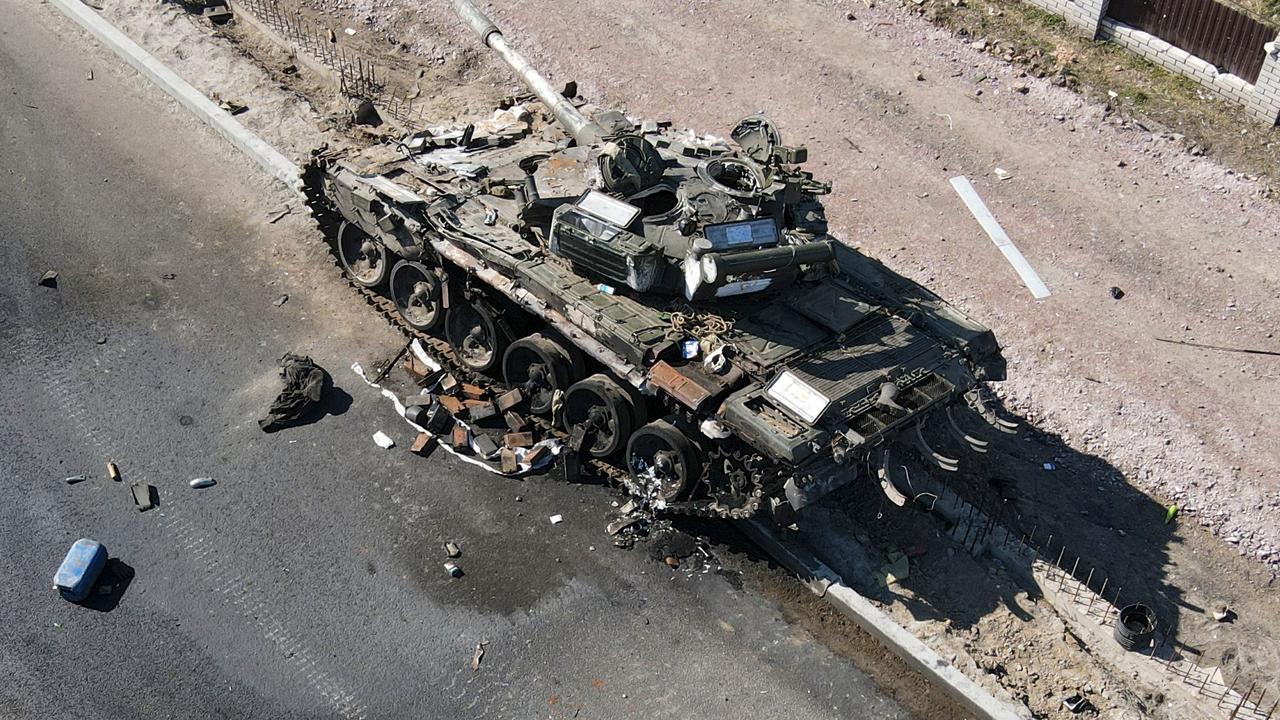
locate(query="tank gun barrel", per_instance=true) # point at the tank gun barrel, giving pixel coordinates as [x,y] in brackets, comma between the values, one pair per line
[581,129]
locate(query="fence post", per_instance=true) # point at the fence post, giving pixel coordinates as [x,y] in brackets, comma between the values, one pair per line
[1264,101]
[1086,16]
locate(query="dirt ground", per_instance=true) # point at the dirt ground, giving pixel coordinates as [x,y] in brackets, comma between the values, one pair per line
[1130,423]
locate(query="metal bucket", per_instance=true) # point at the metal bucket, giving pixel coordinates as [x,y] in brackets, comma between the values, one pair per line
[1135,625]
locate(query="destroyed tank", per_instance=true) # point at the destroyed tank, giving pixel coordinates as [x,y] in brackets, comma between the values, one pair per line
[671,304]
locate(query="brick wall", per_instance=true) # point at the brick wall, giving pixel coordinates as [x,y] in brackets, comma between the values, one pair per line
[1262,99]
[1265,102]
[1083,15]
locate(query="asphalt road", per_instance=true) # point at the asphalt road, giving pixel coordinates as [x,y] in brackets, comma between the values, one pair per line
[308,581]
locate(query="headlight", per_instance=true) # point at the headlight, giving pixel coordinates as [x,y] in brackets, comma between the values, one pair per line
[798,396]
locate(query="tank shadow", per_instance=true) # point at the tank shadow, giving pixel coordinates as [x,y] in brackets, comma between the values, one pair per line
[970,552]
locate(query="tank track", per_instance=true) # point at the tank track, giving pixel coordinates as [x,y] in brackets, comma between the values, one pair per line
[384,306]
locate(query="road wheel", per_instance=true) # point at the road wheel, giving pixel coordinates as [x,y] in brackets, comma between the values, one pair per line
[661,457]
[538,367]
[366,260]
[415,289]
[599,411]
[473,333]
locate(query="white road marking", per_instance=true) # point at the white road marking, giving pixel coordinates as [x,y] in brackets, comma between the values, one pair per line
[998,236]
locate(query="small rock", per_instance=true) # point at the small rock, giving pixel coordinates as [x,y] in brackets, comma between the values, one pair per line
[383,440]
[919,77]
[1021,88]
[1116,293]
[49,279]
[979,44]
[281,300]
[1002,174]
[850,16]
[556,519]
[101,340]
[452,550]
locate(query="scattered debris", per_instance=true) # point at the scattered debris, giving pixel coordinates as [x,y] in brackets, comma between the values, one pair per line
[1076,703]
[80,568]
[621,524]
[507,461]
[1116,293]
[217,14]
[304,385]
[1135,625]
[232,107]
[49,279]
[453,570]
[485,446]
[1170,513]
[350,31]
[383,440]
[76,479]
[284,298]
[536,455]
[509,400]
[202,482]
[897,569]
[478,655]
[144,496]
[452,550]
[461,437]
[556,519]
[1050,466]
[113,471]
[1250,351]
[669,543]
[1224,614]
[424,444]
[1002,174]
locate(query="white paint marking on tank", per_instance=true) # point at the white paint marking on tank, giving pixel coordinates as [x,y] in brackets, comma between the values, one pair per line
[998,236]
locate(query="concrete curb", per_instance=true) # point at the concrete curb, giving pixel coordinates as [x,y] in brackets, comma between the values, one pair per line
[271,160]
[825,583]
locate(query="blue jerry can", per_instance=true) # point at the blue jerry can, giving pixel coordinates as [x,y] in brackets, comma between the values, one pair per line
[80,568]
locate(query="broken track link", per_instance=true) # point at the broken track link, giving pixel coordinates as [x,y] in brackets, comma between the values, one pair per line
[326,220]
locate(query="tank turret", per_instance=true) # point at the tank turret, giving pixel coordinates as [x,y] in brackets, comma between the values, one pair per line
[730,231]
